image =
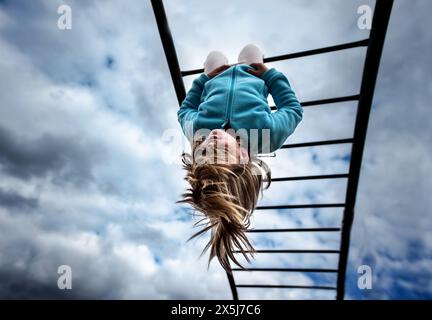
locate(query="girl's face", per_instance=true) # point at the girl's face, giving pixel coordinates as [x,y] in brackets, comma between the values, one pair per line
[221,147]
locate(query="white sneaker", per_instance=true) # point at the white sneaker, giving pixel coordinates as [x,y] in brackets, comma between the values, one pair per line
[214,60]
[251,54]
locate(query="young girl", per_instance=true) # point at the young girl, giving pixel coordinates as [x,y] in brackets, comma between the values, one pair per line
[227,119]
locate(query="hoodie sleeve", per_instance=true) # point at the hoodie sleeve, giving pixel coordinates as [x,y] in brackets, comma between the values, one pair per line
[189,107]
[289,110]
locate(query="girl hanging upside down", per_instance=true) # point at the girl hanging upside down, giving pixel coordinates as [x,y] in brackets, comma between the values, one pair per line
[228,121]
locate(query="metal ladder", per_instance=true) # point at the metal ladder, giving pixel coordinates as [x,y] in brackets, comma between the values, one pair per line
[374,45]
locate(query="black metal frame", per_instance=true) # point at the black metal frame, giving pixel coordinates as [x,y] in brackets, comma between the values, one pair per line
[374,45]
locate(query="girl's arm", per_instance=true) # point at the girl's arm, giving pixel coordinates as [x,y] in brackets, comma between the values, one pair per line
[189,107]
[289,110]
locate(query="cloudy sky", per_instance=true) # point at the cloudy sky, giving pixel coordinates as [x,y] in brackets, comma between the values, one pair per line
[89,176]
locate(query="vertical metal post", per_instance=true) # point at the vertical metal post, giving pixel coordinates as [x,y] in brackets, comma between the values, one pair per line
[232,286]
[373,56]
[169,48]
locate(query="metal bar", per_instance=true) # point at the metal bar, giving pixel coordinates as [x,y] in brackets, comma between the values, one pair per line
[344,46]
[169,48]
[295,230]
[371,66]
[288,270]
[277,286]
[301,206]
[339,47]
[317,143]
[316,177]
[232,285]
[326,101]
[290,251]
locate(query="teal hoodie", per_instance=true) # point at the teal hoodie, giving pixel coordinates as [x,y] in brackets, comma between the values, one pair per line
[238,99]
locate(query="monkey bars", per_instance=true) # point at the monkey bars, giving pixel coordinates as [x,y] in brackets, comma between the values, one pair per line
[374,45]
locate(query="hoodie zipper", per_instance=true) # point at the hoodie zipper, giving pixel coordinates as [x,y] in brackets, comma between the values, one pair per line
[230,98]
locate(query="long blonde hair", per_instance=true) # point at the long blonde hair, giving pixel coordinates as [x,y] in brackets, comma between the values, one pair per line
[225,195]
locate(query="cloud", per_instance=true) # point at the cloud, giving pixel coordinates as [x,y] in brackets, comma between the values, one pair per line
[13,201]
[68,160]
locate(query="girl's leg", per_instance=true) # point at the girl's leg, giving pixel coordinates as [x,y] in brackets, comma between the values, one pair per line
[251,54]
[214,60]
